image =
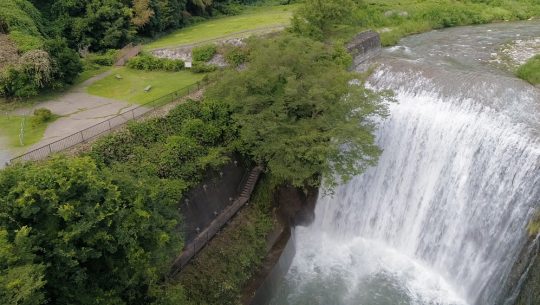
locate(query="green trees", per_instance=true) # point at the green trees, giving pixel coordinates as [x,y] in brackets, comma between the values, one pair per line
[299,113]
[43,62]
[21,280]
[71,233]
[66,62]
[94,24]
[53,66]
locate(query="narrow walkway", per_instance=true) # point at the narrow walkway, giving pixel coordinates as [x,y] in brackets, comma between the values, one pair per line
[78,110]
[191,249]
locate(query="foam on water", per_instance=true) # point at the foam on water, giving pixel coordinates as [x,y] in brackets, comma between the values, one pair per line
[442,217]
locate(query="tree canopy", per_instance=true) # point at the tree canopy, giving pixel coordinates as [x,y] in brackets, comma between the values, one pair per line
[299,112]
[71,233]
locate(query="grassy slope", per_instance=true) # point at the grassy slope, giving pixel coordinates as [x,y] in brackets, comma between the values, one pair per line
[395,19]
[530,71]
[131,87]
[251,19]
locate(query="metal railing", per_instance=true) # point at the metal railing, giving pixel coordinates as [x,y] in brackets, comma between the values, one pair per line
[191,249]
[105,126]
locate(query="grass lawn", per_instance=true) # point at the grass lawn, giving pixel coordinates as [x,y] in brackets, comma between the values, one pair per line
[10,127]
[87,74]
[131,87]
[530,71]
[251,19]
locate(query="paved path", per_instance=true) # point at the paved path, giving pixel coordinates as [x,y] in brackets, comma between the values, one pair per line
[5,154]
[79,110]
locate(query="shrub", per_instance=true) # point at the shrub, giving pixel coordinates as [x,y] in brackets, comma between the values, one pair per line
[151,63]
[204,53]
[171,64]
[113,148]
[16,83]
[107,58]
[235,56]
[201,67]
[42,115]
[530,71]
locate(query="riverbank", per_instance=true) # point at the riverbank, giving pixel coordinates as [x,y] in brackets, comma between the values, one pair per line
[395,19]
[530,71]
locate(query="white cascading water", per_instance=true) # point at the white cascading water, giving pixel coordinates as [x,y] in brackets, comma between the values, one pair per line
[441,218]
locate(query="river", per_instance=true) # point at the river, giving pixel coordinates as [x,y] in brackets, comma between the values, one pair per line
[442,217]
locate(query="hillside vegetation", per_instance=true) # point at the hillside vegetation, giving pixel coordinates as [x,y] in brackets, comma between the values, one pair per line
[102,228]
[51,36]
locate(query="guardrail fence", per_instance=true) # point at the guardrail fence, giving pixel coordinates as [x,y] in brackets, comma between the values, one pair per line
[105,126]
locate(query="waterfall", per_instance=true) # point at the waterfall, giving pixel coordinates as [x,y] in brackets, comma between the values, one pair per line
[442,216]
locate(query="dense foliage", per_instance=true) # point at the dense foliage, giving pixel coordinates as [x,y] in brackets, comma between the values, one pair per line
[72,233]
[204,53]
[235,55]
[180,147]
[102,229]
[152,63]
[530,71]
[41,116]
[64,28]
[298,112]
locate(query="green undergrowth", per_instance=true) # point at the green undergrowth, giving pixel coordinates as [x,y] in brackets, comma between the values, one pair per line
[394,19]
[530,71]
[220,271]
[180,147]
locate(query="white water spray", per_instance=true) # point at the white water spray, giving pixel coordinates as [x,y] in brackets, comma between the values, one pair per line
[439,220]
[442,217]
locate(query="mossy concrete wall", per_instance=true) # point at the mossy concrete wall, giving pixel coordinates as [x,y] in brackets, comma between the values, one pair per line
[364,46]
